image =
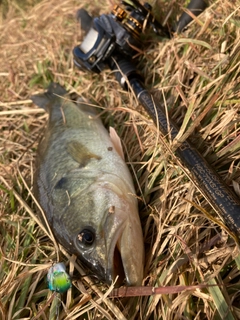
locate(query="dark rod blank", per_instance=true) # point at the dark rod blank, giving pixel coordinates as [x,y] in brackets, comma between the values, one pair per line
[213,188]
[196,7]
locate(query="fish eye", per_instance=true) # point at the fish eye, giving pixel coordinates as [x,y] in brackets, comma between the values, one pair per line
[86,237]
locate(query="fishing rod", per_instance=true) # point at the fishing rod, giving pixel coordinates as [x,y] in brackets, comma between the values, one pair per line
[110,42]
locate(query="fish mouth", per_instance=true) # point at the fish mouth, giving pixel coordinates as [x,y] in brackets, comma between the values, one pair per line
[118,267]
[124,262]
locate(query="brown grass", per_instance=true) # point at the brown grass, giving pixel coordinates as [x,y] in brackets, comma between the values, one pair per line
[185,245]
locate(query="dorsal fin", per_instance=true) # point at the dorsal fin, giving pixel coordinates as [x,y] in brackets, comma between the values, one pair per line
[86,107]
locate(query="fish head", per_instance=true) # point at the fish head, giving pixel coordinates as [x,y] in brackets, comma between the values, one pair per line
[110,240]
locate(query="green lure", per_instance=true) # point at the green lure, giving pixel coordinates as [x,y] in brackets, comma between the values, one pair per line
[58,279]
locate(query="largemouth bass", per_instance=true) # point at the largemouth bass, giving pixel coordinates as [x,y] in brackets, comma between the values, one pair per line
[85,189]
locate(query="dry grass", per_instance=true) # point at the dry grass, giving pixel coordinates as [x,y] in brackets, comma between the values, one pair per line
[184,245]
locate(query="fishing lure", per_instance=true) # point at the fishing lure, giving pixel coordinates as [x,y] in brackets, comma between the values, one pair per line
[58,279]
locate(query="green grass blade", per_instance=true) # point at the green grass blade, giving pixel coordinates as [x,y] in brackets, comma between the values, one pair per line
[220,302]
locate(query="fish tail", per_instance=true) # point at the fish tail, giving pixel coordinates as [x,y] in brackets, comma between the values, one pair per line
[42,100]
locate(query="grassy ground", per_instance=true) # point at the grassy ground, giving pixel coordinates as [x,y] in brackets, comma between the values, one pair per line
[185,245]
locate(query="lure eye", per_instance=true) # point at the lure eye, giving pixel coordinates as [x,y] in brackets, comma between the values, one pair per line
[86,237]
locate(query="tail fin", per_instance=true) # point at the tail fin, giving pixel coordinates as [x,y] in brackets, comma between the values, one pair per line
[42,99]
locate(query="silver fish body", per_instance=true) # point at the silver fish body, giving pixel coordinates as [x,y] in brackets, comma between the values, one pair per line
[86,191]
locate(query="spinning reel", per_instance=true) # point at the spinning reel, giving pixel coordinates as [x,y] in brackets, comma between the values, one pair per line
[116,33]
[119,33]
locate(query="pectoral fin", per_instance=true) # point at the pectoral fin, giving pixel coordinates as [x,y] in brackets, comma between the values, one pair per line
[116,141]
[80,153]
